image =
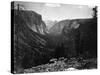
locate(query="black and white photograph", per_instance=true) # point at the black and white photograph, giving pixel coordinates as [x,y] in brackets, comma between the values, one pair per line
[53,37]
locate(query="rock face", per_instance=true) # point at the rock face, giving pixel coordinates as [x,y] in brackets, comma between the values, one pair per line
[29,39]
[77,37]
[68,33]
[88,37]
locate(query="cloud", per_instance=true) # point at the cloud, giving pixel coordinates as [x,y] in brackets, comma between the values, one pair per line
[91,6]
[80,6]
[52,5]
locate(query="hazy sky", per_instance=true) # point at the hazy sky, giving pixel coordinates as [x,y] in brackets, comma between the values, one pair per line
[51,11]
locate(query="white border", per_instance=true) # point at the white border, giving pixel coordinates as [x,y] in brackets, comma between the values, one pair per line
[5,34]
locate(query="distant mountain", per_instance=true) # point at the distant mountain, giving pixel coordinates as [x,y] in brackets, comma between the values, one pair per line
[50,23]
[57,27]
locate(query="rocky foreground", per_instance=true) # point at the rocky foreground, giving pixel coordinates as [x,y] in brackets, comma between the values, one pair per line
[64,64]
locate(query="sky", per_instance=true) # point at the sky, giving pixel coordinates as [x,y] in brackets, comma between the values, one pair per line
[53,11]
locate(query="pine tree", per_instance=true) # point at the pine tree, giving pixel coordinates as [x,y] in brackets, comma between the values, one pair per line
[95,12]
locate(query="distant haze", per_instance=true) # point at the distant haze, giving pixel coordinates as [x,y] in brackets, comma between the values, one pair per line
[51,11]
